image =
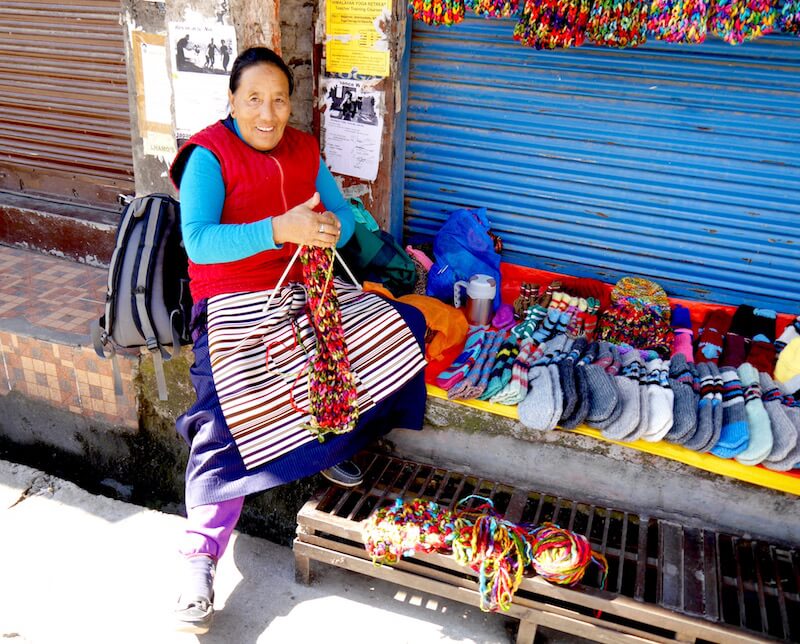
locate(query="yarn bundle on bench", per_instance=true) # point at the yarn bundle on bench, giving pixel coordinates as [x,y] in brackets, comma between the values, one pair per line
[332,392]
[499,551]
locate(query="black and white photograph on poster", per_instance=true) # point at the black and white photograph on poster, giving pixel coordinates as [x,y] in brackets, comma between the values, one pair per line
[353,124]
[202,54]
[347,101]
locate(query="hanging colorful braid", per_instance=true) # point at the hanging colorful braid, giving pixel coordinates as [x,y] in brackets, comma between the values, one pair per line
[493,8]
[332,393]
[618,23]
[437,12]
[405,528]
[562,557]
[736,21]
[494,548]
[682,21]
[789,17]
[551,24]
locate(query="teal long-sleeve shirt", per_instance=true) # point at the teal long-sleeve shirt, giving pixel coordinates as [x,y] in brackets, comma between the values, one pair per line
[202,193]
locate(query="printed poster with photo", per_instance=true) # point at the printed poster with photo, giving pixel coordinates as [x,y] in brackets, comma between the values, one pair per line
[353,128]
[202,55]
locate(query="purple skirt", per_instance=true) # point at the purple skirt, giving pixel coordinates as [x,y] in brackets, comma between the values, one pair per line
[215,471]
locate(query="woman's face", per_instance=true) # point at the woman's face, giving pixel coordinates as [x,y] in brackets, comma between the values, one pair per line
[261,105]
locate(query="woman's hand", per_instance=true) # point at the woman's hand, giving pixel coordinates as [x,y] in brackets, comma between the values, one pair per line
[302,225]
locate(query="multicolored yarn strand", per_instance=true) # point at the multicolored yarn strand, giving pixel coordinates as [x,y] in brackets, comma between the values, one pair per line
[618,23]
[788,19]
[332,392]
[437,12]
[406,528]
[493,8]
[494,548]
[562,557]
[551,24]
[681,21]
[499,551]
[736,21]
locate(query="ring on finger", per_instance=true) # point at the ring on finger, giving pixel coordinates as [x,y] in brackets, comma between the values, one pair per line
[321,228]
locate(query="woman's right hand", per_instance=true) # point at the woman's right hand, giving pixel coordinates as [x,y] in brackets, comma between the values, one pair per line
[303,225]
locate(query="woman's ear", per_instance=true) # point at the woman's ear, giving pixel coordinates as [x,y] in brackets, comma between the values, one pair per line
[230,104]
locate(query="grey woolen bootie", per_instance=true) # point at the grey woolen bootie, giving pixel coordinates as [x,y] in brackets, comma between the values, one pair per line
[628,385]
[537,409]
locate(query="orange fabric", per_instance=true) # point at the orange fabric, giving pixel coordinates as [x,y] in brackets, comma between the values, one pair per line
[447,326]
[379,289]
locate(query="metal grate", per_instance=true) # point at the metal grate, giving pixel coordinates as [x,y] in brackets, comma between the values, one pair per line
[747,584]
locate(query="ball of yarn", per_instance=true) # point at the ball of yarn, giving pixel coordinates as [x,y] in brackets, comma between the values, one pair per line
[562,557]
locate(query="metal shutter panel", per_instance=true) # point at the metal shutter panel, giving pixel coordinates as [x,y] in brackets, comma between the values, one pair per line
[64,112]
[677,163]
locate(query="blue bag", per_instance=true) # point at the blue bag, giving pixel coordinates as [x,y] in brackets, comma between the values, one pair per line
[462,248]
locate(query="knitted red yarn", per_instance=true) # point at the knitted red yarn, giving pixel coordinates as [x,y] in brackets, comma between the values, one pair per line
[332,387]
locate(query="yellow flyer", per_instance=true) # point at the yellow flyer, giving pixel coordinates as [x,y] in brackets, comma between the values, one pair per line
[358,37]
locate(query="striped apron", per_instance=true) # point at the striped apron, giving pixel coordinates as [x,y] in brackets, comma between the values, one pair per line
[259,362]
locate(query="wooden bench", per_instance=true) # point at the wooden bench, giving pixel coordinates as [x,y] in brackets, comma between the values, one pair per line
[666,582]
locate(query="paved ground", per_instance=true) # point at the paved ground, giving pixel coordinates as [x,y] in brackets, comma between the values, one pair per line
[80,568]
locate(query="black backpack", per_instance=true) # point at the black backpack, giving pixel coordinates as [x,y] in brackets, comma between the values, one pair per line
[147,301]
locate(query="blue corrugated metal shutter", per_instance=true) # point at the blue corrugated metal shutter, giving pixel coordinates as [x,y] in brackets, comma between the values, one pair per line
[677,163]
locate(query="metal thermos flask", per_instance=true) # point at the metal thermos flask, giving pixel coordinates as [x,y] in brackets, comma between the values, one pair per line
[481,290]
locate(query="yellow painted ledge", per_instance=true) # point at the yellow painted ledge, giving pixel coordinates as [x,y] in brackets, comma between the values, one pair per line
[727,467]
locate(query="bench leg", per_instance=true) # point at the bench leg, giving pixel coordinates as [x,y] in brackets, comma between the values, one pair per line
[526,632]
[302,569]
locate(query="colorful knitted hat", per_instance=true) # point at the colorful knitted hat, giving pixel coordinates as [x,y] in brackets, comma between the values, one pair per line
[639,315]
[681,21]
[618,23]
[437,12]
[551,24]
[738,20]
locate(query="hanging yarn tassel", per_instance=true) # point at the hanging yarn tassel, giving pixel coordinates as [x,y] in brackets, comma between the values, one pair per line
[494,548]
[437,12]
[550,24]
[493,8]
[405,528]
[332,392]
[789,17]
[682,21]
[562,557]
[736,21]
[618,23]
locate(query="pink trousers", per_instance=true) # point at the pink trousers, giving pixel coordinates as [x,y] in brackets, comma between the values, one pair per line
[210,527]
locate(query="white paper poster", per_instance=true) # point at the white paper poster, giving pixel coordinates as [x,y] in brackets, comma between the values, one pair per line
[353,128]
[202,55]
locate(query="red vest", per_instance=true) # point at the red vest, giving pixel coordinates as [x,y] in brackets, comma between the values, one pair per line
[257,185]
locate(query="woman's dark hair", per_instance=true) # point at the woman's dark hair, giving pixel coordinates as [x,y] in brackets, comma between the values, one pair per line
[258,56]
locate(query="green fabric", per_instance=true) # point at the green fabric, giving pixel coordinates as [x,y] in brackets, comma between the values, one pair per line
[376,256]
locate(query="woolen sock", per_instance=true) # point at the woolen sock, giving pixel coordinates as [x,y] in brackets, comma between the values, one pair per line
[716,407]
[534,316]
[791,332]
[627,382]
[735,435]
[661,400]
[501,371]
[784,434]
[547,329]
[705,415]
[709,342]
[682,341]
[762,356]
[566,378]
[604,355]
[743,321]
[757,418]
[764,327]
[684,408]
[604,402]
[558,396]
[792,410]
[461,389]
[734,352]
[581,409]
[549,350]
[466,359]
[517,388]
[616,362]
[537,409]
[483,379]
